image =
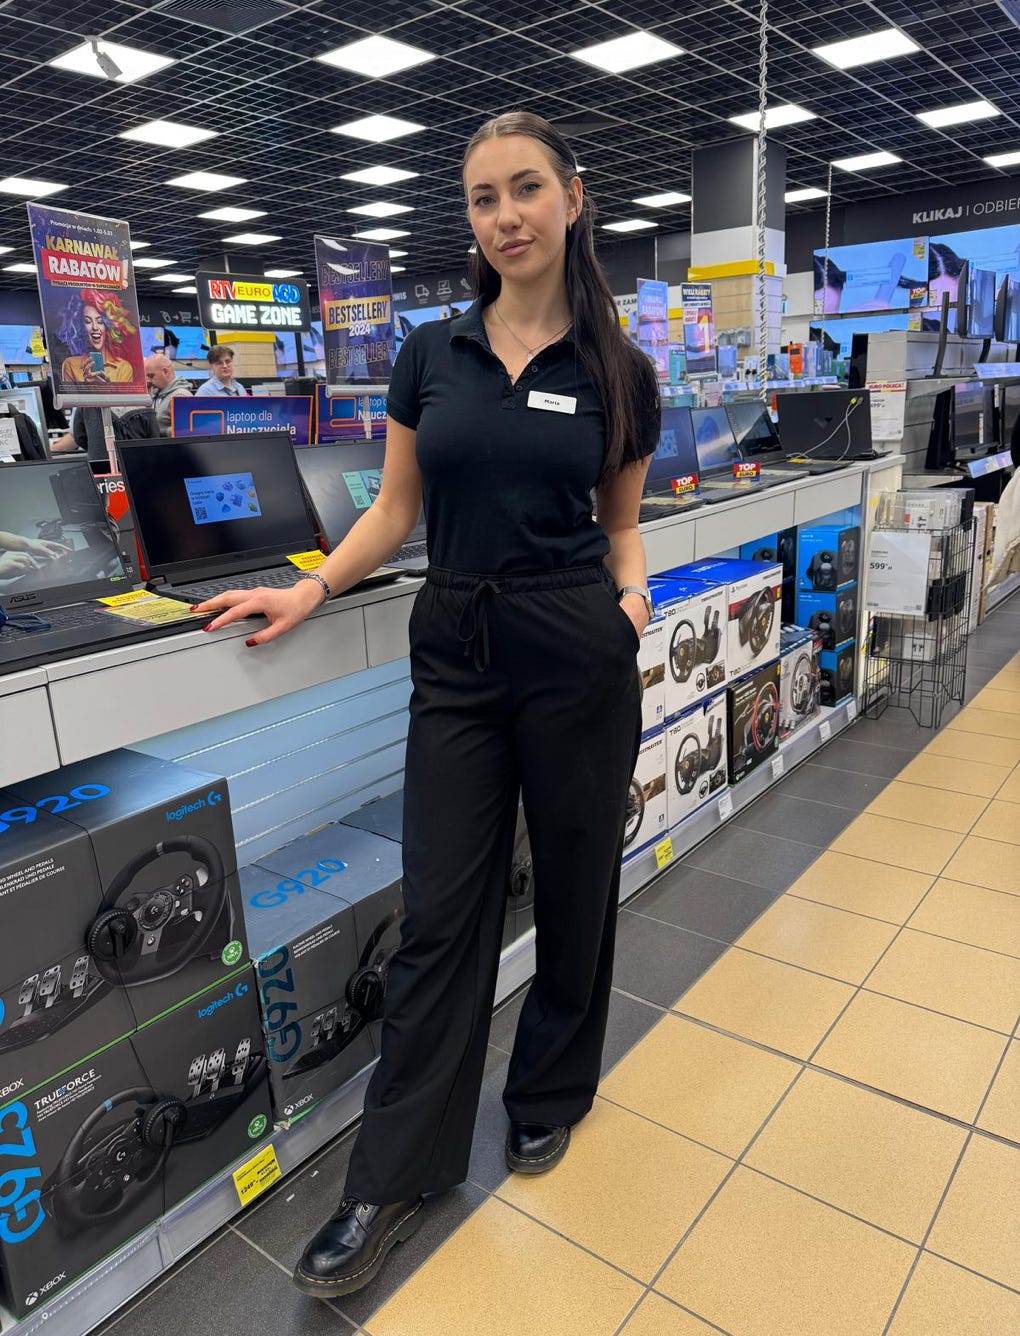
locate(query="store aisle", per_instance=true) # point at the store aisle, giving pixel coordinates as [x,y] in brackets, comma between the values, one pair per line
[811,1117]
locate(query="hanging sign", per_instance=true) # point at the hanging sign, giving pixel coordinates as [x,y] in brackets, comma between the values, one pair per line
[217,415]
[356,303]
[699,327]
[251,301]
[653,323]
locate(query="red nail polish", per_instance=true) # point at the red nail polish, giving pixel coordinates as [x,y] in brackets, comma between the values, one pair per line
[193,608]
[251,643]
[207,627]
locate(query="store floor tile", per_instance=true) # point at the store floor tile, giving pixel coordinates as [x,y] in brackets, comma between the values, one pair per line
[850,789]
[656,961]
[747,855]
[978,778]
[999,822]
[769,1260]
[802,819]
[1010,789]
[657,1316]
[985,863]
[1001,1112]
[973,747]
[903,843]
[928,807]
[702,902]
[865,758]
[971,914]
[978,1225]
[487,1165]
[863,886]
[944,1300]
[817,937]
[996,723]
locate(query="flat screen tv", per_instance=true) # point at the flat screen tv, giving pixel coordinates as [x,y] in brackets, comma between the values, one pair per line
[980,303]
[873,276]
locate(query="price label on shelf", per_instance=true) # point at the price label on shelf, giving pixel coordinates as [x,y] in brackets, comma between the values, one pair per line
[664,852]
[825,730]
[726,806]
[256,1175]
[778,765]
[851,711]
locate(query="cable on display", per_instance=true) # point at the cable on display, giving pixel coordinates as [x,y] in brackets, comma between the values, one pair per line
[763,305]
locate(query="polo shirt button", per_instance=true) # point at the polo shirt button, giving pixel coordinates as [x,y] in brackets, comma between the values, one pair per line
[533,367]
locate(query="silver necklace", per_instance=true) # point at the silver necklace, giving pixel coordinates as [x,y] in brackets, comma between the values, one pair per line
[517,339]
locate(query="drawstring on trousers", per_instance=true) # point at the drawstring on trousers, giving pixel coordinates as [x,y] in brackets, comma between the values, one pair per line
[477,636]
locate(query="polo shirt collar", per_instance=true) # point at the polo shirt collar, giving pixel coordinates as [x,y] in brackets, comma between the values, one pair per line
[470,325]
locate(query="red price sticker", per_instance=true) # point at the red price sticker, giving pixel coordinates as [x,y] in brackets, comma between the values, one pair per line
[685,486]
[746,470]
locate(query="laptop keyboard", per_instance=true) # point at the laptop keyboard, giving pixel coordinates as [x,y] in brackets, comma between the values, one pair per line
[410,550]
[280,577]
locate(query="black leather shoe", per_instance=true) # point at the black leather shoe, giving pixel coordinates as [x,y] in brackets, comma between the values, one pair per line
[350,1248]
[533,1148]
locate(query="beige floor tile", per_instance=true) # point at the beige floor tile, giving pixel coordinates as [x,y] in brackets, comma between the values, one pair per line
[998,723]
[1000,821]
[767,1261]
[973,985]
[1002,698]
[985,863]
[1010,791]
[774,1004]
[626,1190]
[928,807]
[943,1300]
[977,778]
[934,1061]
[1001,1113]
[818,937]
[862,886]
[898,843]
[974,747]
[502,1274]
[970,914]
[706,1085]
[864,1153]
[979,1224]
[659,1317]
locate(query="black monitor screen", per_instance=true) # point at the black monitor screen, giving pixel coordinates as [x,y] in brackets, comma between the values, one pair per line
[968,414]
[342,481]
[980,303]
[752,427]
[54,534]
[714,440]
[1012,330]
[207,497]
[825,424]
[675,455]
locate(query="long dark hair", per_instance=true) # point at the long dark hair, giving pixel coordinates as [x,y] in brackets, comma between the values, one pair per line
[621,373]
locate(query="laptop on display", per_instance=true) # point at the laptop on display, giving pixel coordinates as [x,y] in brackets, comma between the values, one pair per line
[753,429]
[824,430]
[342,481]
[47,594]
[674,458]
[717,452]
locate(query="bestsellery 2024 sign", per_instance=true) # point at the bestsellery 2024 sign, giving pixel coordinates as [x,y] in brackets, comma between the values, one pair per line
[251,301]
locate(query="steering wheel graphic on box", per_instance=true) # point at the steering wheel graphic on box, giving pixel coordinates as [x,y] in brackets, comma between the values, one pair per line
[756,618]
[687,649]
[693,760]
[804,683]
[635,812]
[139,936]
[366,988]
[761,728]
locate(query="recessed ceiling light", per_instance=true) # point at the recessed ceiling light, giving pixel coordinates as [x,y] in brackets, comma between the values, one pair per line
[187,289]
[397,254]
[378,129]
[252,238]
[775,117]
[380,234]
[806,192]
[958,115]
[378,176]
[629,225]
[168,134]
[865,160]
[663,201]
[375,57]
[206,181]
[6,250]
[228,214]
[20,268]
[627,53]
[381,209]
[397,269]
[27,188]
[150,262]
[133,64]
[140,245]
[282,273]
[1004,159]
[172,278]
[867,49]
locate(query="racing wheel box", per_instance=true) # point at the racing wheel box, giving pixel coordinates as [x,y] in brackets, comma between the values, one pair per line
[646,819]
[696,768]
[754,594]
[169,922]
[832,614]
[828,558]
[778,547]
[837,672]
[752,707]
[652,667]
[694,638]
[799,679]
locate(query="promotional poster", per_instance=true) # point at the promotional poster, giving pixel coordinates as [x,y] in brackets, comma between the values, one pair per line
[341,417]
[699,327]
[89,306]
[217,416]
[356,304]
[653,323]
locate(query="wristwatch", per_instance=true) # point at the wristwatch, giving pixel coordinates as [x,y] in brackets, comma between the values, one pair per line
[641,593]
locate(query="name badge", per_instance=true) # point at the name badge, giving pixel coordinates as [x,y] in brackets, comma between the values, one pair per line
[552,403]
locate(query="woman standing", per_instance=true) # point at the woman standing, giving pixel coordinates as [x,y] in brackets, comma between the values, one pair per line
[523,644]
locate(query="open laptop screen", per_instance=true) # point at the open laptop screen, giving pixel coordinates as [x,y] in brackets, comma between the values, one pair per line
[342,481]
[210,498]
[675,455]
[714,441]
[56,545]
[752,427]
[825,424]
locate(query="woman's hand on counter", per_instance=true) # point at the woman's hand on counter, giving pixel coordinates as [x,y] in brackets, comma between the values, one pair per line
[283,609]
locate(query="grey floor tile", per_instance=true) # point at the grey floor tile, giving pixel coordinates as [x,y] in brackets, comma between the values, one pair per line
[504,1021]
[487,1167]
[748,855]
[657,961]
[690,897]
[896,728]
[991,660]
[842,788]
[629,1022]
[796,818]
[231,1288]
[864,758]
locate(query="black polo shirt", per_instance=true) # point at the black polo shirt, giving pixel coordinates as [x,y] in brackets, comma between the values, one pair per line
[507,486]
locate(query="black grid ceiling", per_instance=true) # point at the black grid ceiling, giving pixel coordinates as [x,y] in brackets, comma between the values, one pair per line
[274,104]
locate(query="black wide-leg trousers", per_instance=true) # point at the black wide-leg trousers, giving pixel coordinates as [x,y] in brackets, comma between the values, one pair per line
[523,685]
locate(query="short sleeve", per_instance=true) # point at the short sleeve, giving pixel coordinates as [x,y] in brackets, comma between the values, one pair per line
[644,440]
[403,400]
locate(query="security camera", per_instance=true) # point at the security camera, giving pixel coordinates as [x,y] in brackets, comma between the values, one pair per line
[105,61]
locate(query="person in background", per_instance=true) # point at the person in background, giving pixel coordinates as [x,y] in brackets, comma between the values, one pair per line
[165,385]
[222,382]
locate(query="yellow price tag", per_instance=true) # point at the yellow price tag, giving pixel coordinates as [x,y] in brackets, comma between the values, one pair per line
[307,561]
[257,1174]
[664,852]
[121,600]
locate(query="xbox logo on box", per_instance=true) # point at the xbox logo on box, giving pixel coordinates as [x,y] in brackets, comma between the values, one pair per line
[232,953]
[257,1125]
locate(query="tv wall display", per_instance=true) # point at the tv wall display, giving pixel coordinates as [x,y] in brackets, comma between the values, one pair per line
[875,276]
